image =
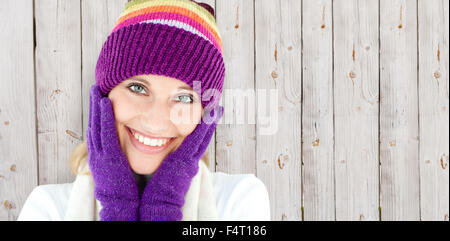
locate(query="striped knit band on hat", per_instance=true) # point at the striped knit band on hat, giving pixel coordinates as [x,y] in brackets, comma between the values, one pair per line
[174,38]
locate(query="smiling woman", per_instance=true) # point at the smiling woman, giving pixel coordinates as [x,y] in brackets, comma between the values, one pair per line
[147,117]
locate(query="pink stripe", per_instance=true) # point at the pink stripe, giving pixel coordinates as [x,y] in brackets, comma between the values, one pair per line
[170,16]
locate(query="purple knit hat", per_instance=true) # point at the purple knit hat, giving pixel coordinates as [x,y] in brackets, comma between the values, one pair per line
[174,38]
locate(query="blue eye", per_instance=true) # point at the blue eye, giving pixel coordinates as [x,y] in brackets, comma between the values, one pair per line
[137,88]
[185,99]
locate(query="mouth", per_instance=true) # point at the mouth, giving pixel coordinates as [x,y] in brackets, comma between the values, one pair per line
[148,144]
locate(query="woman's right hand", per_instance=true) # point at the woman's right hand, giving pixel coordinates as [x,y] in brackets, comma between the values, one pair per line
[115,186]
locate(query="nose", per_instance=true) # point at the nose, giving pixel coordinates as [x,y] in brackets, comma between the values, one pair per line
[156,117]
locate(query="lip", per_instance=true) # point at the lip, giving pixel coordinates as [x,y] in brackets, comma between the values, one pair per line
[147,149]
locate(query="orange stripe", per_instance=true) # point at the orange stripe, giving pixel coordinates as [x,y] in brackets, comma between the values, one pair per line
[175,9]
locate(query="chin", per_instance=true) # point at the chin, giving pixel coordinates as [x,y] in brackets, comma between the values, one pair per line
[144,165]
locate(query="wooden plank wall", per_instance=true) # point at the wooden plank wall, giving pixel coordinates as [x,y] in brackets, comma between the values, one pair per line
[361,104]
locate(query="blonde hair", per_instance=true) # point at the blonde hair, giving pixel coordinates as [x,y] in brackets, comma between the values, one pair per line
[78,158]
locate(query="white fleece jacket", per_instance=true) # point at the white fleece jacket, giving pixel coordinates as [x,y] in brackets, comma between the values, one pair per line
[238,197]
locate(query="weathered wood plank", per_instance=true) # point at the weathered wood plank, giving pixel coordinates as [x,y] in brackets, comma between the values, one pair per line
[356,98]
[235,139]
[317,111]
[433,106]
[399,130]
[18,149]
[58,86]
[278,57]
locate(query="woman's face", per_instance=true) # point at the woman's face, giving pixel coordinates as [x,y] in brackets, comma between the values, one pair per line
[154,114]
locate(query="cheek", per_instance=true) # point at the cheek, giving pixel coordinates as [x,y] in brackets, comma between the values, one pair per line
[123,111]
[185,129]
[186,118]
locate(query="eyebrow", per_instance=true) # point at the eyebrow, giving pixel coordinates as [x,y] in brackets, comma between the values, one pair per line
[142,80]
[185,88]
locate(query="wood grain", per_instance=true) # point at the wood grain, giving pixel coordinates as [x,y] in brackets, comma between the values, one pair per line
[362,108]
[235,139]
[433,109]
[317,111]
[58,86]
[399,117]
[356,102]
[278,151]
[18,148]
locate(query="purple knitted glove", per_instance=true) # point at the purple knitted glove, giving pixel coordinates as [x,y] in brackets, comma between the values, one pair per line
[115,186]
[164,194]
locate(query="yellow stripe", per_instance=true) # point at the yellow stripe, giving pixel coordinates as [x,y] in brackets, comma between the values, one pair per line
[199,10]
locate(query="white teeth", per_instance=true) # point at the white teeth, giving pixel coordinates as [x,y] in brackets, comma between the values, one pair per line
[146,141]
[153,142]
[150,142]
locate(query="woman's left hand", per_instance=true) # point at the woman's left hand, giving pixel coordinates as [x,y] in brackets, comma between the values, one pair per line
[164,194]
